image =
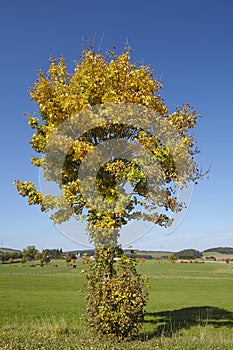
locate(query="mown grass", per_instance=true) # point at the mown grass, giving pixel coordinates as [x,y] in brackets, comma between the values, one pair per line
[190,307]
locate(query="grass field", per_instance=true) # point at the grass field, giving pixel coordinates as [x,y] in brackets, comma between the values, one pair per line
[190,307]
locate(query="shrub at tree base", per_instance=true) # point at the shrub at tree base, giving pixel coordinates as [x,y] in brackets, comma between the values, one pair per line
[117,294]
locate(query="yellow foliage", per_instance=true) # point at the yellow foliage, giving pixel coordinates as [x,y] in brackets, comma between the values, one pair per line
[100,80]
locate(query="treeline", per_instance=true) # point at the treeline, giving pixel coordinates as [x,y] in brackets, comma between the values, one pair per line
[10,255]
[30,253]
[222,250]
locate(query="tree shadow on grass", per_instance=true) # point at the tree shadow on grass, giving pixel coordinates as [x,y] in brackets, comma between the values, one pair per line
[167,323]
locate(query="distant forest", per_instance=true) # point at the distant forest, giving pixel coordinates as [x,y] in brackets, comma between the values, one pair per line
[222,250]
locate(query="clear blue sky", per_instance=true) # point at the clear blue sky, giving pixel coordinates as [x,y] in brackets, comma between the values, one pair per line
[190,46]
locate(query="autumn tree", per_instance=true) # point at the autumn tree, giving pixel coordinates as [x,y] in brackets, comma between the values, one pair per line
[11,260]
[30,253]
[172,257]
[68,258]
[99,129]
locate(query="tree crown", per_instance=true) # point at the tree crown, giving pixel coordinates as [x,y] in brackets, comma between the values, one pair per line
[114,103]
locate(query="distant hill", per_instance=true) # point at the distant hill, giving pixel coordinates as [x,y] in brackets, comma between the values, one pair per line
[188,254]
[152,253]
[221,250]
[8,250]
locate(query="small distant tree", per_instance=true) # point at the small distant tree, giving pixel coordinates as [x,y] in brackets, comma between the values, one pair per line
[68,258]
[172,257]
[23,260]
[86,258]
[36,256]
[30,253]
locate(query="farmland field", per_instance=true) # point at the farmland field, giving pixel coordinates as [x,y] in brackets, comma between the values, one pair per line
[190,307]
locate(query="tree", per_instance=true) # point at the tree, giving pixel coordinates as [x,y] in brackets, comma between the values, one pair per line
[68,258]
[172,257]
[98,129]
[30,253]
[45,257]
[11,260]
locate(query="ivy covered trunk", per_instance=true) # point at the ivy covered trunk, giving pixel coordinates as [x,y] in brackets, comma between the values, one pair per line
[116,293]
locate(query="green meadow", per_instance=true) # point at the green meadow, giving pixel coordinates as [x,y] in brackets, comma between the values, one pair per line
[190,307]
